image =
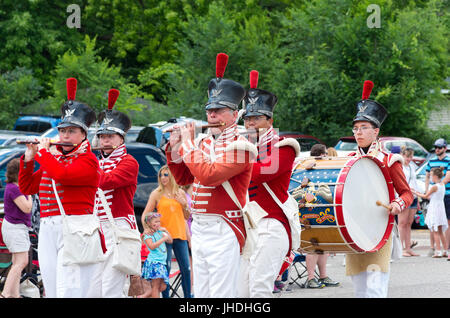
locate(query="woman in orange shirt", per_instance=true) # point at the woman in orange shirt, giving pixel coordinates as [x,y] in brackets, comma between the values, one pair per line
[170,201]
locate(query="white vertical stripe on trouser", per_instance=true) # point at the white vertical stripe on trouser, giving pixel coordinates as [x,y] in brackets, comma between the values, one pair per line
[59,280]
[215,257]
[266,261]
[371,284]
[113,280]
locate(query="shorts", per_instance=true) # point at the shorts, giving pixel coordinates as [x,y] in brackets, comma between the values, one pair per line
[447,206]
[413,204]
[16,237]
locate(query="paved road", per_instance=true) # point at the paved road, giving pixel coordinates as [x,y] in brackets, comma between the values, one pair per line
[422,276]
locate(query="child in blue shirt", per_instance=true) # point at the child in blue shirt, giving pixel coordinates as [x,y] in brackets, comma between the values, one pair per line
[154,268]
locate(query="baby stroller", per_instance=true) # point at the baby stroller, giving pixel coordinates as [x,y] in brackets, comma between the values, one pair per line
[30,282]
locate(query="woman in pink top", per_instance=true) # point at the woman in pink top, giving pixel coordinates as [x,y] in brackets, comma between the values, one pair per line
[15,227]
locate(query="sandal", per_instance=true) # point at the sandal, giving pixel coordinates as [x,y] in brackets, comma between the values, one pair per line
[414,243]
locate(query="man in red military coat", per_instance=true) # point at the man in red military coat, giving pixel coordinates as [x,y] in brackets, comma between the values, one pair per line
[221,156]
[74,170]
[272,170]
[370,271]
[118,182]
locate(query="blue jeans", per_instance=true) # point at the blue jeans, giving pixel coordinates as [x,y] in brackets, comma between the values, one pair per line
[181,250]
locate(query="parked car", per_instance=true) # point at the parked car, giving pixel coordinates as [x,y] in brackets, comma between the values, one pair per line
[36,123]
[150,160]
[9,137]
[348,144]
[306,141]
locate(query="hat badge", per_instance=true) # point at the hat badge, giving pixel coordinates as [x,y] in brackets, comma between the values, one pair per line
[107,120]
[215,92]
[69,112]
[362,108]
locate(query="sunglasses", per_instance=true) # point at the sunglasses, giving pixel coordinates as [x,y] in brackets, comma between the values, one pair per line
[165,174]
[437,147]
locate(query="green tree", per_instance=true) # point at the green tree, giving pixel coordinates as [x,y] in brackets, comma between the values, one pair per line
[18,88]
[95,77]
[328,51]
[246,37]
[33,35]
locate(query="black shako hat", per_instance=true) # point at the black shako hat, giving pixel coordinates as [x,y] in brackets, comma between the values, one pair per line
[75,113]
[257,101]
[370,110]
[223,92]
[112,121]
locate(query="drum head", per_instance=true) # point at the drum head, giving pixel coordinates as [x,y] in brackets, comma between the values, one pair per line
[365,222]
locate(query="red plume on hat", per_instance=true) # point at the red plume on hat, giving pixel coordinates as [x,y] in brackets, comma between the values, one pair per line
[221,64]
[113,94]
[254,79]
[71,84]
[367,89]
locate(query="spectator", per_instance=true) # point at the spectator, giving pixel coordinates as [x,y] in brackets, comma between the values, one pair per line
[331,152]
[171,203]
[406,218]
[436,219]
[320,260]
[440,159]
[154,268]
[15,227]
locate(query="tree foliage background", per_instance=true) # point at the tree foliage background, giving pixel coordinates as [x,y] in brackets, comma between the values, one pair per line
[314,55]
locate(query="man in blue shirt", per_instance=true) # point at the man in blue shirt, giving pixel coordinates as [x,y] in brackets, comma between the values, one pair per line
[441,159]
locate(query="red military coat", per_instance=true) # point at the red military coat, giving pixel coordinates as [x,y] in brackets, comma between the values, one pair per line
[118,180]
[76,175]
[207,163]
[274,167]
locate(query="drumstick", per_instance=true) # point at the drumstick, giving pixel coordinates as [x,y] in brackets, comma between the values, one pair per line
[379,203]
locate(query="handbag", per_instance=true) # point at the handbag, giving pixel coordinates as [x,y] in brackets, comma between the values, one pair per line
[127,244]
[81,237]
[28,288]
[252,213]
[136,286]
[290,209]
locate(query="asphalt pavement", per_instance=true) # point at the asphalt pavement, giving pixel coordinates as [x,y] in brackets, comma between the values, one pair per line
[410,277]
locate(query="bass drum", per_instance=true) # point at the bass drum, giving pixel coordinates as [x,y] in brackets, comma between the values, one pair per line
[337,200]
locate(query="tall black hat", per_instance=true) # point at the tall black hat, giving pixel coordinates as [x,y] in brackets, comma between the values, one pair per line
[112,121]
[223,92]
[75,113]
[370,110]
[257,101]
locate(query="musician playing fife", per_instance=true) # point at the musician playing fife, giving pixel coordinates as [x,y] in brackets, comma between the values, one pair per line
[74,170]
[370,271]
[260,269]
[118,180]
[218,232]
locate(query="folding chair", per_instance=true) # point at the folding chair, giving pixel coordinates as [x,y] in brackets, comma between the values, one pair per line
[301,273]
[175,285]
[5,259]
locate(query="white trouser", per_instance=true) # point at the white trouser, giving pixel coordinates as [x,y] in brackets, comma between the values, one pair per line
[215,257]
[113,280]
[371,284]
[63,281]
[258,274]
